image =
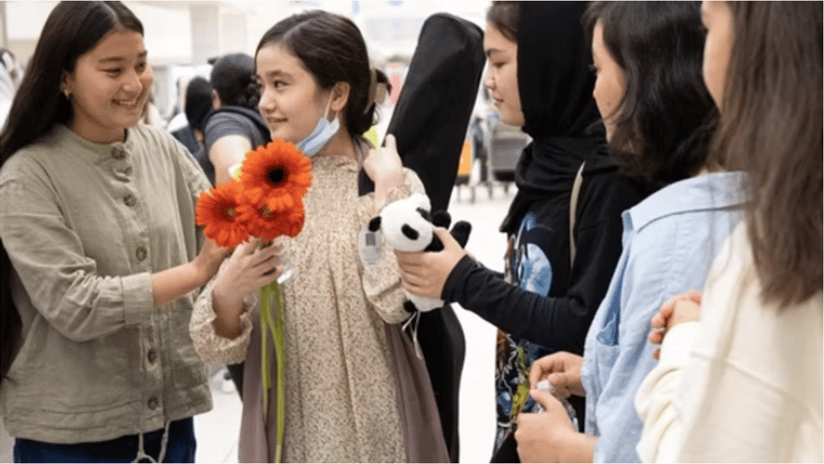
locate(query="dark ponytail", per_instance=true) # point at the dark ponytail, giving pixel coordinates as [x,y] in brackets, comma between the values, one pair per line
[233,78]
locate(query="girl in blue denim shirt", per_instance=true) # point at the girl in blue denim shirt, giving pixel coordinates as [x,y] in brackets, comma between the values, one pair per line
[658,115]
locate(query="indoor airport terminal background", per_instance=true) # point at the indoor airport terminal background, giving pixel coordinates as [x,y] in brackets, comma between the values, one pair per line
[182,36]
[642,281]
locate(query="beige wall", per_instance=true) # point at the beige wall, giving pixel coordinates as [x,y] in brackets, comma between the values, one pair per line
[3,24]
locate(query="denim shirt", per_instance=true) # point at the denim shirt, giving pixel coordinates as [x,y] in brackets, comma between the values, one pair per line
[670,240]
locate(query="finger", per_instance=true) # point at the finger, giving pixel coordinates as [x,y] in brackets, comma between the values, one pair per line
[413,279]
[670,302]
[264,266]
[447,238]
[265,254]
[536,374]
[264,276]
[666,313]
[544,366]
[656,353]
[416,290]
[544,398]
[561,388]
[409,287]
[409,261]
[540,368]
[443,234]
[244,249]
[695,296]
[389,142]
[559,380]
[657,321]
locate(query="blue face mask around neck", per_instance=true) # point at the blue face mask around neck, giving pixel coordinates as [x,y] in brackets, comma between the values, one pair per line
[319,137]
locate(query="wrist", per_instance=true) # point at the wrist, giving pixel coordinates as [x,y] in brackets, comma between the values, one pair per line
[226,301]
[573,446]
[385,183]
[228,309]
[198,270]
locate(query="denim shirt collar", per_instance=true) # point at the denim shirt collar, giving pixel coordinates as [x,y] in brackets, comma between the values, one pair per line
[719,190]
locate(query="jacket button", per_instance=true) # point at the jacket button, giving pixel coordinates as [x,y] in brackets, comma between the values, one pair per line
[152,355]
[153,403]
[130,200]
[118,153]
[141,253]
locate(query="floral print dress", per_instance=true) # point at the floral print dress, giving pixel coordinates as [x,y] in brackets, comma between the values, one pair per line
[340,392]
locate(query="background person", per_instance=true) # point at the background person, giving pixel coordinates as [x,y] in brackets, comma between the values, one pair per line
[234,126]
[196,106]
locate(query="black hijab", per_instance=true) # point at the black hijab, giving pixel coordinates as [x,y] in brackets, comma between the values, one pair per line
[555,85]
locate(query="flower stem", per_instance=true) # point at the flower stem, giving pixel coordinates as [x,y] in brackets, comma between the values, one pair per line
[280,353]
[273,323]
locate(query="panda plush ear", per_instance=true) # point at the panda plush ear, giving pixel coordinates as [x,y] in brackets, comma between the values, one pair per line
[375,224]
[441,219]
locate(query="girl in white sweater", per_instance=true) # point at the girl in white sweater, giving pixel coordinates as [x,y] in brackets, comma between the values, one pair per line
[743,381]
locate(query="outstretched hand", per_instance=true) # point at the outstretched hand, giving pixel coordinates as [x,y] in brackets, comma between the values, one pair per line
[208,260]
[425,273]
[684,307]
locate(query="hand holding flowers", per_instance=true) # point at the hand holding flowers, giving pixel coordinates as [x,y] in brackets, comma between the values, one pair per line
[248,268]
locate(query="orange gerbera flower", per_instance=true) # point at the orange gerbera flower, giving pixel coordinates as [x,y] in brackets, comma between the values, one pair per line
[217,211]
[296,220]
[267,225]
[276,175]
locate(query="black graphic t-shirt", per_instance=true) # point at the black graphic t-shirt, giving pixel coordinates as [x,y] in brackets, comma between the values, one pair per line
[530,267]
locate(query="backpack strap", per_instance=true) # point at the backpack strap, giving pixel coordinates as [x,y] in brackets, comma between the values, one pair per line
[573,211]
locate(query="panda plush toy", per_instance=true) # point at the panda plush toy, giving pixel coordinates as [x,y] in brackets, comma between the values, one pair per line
[408,225]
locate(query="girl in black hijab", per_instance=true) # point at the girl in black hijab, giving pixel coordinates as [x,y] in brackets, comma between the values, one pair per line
[540,80]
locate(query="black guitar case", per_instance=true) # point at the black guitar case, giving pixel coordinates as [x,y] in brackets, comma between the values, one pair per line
[429,124]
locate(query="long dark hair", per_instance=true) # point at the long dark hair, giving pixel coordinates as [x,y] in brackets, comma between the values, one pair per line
[771,119]
[332,48]
[71,30]
[233,78]
[665,119]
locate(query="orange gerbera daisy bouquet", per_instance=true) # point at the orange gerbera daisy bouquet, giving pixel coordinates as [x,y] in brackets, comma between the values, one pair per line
[264,200]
